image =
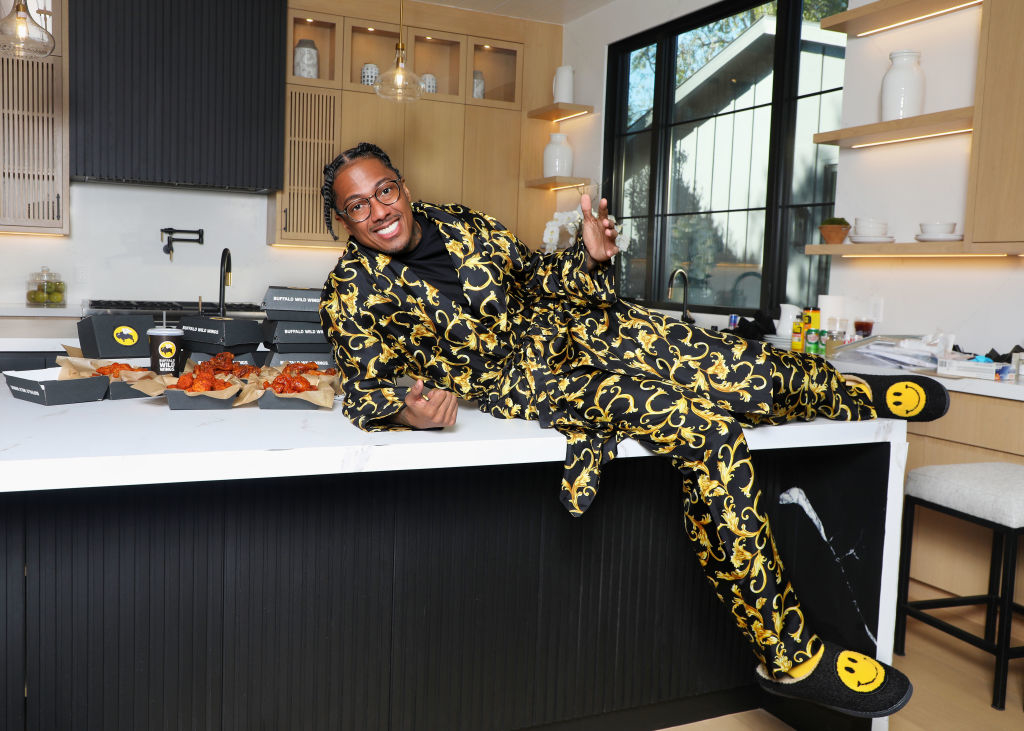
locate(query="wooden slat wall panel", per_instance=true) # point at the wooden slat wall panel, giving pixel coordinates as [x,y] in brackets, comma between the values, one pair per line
[180,93]
[31,163]
[314,116]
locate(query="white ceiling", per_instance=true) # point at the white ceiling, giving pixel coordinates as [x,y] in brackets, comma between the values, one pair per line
[550,11]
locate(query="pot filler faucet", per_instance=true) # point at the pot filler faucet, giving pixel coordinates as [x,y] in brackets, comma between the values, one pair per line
[684,316]
[225,278]
[195,236]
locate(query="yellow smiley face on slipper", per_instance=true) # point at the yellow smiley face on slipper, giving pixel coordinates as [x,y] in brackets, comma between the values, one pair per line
[905,398]
[859,672]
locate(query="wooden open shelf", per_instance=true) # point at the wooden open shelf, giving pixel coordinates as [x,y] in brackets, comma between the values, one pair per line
[560,111]
[877,16]
[950,121]
[918,248]
[557,182]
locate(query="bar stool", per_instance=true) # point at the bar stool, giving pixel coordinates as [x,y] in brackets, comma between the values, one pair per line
[990,494]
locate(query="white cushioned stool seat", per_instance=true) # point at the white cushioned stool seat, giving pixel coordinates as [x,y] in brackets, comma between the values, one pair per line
[993,491]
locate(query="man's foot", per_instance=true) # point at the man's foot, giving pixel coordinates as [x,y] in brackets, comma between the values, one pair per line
[845,681]
[910,397]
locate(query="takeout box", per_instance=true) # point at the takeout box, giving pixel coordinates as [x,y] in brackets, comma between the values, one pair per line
[292,303]
[294,336]
[221,331]
[323,360]
[114,336]
[178,399]
[43,386]
[271,400]
[200,352]
[74,365]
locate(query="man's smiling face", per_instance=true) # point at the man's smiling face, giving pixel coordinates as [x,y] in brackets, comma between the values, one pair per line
[389,229]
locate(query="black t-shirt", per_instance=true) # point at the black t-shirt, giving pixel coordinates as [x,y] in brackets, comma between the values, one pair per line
[432,262]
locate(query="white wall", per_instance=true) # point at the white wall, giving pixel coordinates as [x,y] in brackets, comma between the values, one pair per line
[114,250]
[976,299]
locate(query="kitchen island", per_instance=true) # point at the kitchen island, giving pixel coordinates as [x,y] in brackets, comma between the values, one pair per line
[251,568]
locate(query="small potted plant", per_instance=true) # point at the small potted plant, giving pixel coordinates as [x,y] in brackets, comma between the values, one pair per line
[834,230]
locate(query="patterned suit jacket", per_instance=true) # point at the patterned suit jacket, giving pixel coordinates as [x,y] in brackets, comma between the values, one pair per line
[534,324]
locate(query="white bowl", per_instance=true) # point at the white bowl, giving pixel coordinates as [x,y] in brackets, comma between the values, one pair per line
[869,227]
[938,228]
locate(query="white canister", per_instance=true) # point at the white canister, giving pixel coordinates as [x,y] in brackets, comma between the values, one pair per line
[307,60]
[561,87]
[478,84]
[369,74]
[429,83]
[557,156]
[903,86]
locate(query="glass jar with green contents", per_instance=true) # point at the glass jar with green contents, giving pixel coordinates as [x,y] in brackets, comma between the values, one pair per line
[45,289]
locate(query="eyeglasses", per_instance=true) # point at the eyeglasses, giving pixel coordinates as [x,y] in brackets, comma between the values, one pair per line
[387,193]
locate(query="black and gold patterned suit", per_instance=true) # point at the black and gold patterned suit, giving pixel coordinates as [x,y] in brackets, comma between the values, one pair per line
[540,338]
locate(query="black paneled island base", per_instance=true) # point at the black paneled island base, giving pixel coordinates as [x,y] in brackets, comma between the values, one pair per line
[427,598]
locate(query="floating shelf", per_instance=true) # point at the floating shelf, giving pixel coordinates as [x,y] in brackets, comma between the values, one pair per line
[560,111]
[936,124]
[918,249]
[557,182]
[884,14]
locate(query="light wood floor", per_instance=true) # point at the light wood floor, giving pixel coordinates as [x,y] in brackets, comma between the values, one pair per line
[952,683]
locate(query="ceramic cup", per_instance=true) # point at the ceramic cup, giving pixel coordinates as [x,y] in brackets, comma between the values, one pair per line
[938,228]
[869,227]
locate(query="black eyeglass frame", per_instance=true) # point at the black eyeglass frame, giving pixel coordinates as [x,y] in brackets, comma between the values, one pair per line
[397,182]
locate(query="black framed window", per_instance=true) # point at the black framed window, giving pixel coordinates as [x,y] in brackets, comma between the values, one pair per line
[709,156]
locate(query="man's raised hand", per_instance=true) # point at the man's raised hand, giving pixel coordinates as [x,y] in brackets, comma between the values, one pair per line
[428,410]
[599,233]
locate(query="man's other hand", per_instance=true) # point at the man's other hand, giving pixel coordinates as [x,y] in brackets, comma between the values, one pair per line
[428,410]
[599,233]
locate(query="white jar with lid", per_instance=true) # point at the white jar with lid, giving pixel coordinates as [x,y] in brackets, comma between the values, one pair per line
[45,289]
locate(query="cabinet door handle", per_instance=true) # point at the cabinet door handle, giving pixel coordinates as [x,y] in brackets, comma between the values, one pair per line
[285,226]
[58,206]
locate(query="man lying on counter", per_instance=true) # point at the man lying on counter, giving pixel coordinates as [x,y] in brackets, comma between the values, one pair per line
[450,297]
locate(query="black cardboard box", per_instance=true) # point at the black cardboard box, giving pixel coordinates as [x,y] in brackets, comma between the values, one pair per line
[221,331]
[181,401]
[199,352]
[114,336]
[121,390]
[42,387]
[288,336]
[323,360]
[270,400]
[292,303]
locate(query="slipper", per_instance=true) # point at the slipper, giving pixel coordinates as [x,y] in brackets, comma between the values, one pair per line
[845,681]
[910,397]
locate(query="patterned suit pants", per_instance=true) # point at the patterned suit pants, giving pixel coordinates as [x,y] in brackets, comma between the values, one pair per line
[724,510]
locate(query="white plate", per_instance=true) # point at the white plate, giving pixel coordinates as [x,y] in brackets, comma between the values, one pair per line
[939,237]
[872,239]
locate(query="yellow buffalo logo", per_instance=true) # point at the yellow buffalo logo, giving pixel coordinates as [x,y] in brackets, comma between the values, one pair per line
[126,335]
[167,349]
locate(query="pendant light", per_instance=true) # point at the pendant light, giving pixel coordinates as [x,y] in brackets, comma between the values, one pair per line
[23,37]
[399,84]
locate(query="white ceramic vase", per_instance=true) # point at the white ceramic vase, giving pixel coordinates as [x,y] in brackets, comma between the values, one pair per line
[429,82]
[369,74]
[557,156]
[561,87]
[478,84]
[903,86]
[307,60]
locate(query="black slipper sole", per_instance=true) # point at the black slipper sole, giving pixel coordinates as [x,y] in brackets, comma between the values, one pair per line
[909,397]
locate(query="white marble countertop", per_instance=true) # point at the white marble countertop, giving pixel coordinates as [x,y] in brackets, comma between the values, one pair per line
[977,386]
[10,309]
[141,441]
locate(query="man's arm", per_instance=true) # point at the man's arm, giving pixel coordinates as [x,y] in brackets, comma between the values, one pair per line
[599,233]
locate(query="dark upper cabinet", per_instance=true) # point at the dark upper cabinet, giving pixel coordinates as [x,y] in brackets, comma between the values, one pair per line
[178,93]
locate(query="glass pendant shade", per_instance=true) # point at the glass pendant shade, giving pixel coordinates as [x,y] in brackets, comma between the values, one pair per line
[22,36]
[399,84]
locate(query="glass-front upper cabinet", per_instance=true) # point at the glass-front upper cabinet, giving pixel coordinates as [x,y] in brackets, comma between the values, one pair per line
[314,48]
[494,77]
[439,59]
[369,52]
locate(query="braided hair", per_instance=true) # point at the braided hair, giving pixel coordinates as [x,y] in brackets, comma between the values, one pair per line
[363,149]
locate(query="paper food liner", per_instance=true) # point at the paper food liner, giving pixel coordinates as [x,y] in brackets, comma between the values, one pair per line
[72,367]
[158,385]
[323,395]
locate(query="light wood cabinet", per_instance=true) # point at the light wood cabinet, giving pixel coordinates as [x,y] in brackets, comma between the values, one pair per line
[324,32]
[948,553]
[491,149]
[442,56]
[368,118]
[34,137]
[433,164]
[368,43]
[494,77]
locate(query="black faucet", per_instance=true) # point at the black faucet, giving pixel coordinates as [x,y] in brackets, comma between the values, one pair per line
[225,278]
[685,316]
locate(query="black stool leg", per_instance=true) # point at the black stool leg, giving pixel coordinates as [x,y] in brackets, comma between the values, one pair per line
[1005,619]
[903,583]
[992,605]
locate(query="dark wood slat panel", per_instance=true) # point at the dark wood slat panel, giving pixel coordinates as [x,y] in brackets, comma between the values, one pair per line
[12,613]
